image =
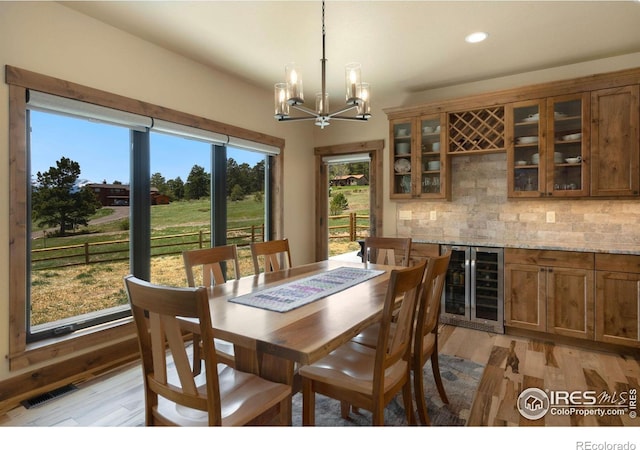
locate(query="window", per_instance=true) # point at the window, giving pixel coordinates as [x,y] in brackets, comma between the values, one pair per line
[126,184]
[79,246]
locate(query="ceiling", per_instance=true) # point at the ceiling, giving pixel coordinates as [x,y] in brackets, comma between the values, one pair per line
[403,46]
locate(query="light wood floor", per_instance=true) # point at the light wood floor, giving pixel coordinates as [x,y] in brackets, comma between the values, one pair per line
[512,364]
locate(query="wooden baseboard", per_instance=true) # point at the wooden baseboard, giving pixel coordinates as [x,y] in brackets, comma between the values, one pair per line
[582,343]
[73,370]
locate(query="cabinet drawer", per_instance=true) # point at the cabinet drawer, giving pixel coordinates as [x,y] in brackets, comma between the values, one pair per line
[553,258]
[618,263]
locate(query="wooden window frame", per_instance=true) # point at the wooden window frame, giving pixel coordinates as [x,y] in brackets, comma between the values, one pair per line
[374,150]
[23,355]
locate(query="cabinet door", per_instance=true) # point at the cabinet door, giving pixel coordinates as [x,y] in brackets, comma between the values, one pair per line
[525,297]
[614,142]
[567,146]
[570,302]
[617,308]
[402,143]
[432,163]
[421,251]
[525,127]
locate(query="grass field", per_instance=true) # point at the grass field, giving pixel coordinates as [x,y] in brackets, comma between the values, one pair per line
[58,293]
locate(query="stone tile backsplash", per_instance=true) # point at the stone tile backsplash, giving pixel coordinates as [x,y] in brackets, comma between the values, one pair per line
[480,210]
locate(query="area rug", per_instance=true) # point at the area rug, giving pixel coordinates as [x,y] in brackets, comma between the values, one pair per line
[460,377]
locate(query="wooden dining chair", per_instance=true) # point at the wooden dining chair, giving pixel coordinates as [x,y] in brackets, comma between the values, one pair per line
[425,340]
[271,256]
[212,267]
[173,396]
[369,378]
[387,250]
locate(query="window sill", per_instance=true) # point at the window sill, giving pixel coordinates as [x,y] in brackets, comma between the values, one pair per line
[69,345]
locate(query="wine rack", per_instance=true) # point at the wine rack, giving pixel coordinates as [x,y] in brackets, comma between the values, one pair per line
[480,130]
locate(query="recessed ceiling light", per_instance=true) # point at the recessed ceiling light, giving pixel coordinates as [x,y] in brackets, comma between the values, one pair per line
[476,37]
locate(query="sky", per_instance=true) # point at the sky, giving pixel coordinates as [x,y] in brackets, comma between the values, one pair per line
[103,150]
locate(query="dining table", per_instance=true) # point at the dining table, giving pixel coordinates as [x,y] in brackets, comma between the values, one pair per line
[273,343]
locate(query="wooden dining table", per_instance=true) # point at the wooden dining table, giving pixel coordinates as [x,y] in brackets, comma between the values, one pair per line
[272,343]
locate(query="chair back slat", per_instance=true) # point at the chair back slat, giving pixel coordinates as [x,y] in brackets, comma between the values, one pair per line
[211,265]
[387,250]
[271,256]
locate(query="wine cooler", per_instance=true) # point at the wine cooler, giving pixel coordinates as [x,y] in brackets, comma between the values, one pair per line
[473,294]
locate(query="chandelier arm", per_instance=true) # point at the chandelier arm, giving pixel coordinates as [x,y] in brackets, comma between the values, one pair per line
[362,119]
[305,110]
[340,111]
[290,119]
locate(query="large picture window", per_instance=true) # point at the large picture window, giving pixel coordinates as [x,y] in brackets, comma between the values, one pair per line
[97,192]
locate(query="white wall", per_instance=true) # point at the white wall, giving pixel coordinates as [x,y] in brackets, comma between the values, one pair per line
[50,39]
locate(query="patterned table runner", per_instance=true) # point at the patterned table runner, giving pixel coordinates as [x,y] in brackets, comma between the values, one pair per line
[298,293]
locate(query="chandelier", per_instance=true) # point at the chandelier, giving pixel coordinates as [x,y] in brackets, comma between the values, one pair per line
[289,95]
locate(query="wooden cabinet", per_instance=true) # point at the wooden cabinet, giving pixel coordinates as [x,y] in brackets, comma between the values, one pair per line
[402,132]
[572,138]
[422,250]
[419,166]
[526,132]
[567,146]
[548,152]
[618,299]
[615,147]
[550,291]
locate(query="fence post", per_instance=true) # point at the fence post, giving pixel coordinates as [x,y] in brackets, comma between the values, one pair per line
[352,226]
[253,233]
[86,253]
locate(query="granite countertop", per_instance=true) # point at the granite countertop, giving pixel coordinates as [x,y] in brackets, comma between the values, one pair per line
[623,249]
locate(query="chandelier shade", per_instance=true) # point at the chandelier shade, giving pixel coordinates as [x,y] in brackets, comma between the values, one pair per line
[289,95]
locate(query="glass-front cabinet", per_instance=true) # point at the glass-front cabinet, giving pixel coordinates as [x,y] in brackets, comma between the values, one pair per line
[402,139]
[525,163]
[567,143]
[418,158]
[432,164]
[549,155]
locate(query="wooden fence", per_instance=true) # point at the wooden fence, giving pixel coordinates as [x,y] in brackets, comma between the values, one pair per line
[350,226]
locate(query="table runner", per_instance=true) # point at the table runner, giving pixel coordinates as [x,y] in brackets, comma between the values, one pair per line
[294,294]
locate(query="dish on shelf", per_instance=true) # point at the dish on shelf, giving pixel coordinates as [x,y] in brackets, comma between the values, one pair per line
[402,165]
[573,160]
[521,163]
[402,132]
[559,115]
[435,146]
[532,118]
[528,140]
[535,158]
[403,148]
[572,137]
[433,165]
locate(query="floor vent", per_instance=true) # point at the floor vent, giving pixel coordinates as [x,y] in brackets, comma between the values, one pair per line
[41,399]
